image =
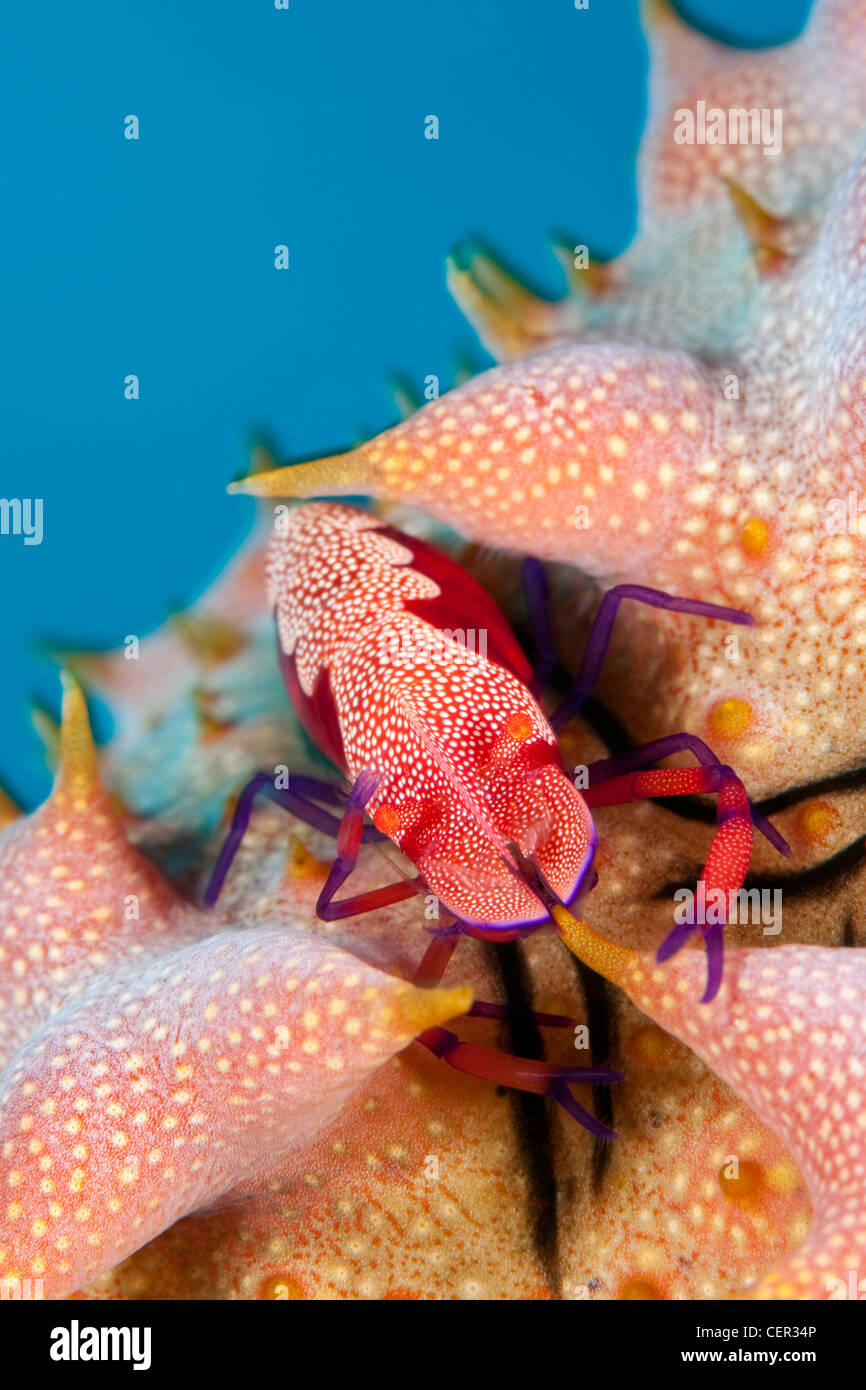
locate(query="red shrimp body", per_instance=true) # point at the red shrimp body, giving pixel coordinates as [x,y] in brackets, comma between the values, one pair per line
[371,626]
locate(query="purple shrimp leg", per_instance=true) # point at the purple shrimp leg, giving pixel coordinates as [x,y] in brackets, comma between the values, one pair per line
[599,637]
[433,966]
[349,837]
[294,802]
[296,799]
[522,1073]
[435,962]
[537,591]
[646,753]
[617,780]
[436,958]
[317,790]
[501,1011]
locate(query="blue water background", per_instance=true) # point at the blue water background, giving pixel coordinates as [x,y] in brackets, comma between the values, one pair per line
[155,257]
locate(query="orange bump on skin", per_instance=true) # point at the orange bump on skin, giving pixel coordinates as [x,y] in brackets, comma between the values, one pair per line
[730,718]
[781,1176]
[652,1047]
[817,821]
[281,1289]
[749,1181]
[756,536]
[638,1290]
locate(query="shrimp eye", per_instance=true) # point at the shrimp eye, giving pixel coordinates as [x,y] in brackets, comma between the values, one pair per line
[515,733]
[519,726]
[387,819]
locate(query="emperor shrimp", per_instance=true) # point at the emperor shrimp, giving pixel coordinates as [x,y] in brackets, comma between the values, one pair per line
[446,749]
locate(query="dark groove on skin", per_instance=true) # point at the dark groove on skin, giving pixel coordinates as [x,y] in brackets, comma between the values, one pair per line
[802,883]
[689,809]
[602,1041]
[839,782]
[532,1119]
[848,938]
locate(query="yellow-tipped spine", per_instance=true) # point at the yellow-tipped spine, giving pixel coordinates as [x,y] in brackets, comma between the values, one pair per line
[334,476]
[606,957]
[9,812]
[77,764]
[416,1009]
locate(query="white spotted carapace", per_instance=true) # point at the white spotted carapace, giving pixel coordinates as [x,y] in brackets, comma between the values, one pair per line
[398,663]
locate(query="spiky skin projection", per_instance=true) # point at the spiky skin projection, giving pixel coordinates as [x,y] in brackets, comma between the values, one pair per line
[399,664]
[704,439]
[788,1033]
[154,1063]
